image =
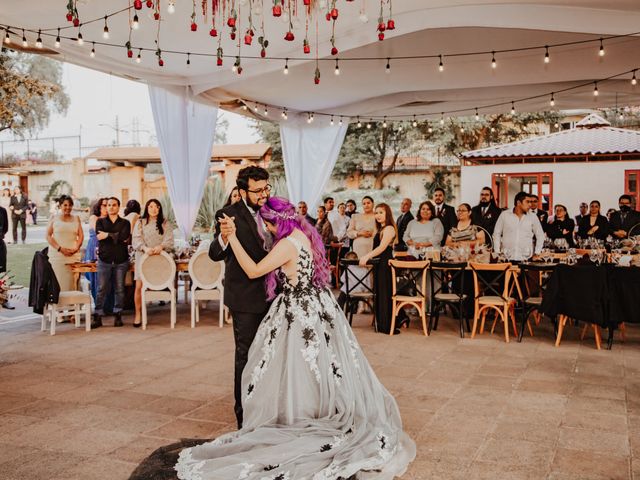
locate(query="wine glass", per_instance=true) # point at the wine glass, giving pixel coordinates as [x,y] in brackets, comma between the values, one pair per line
[527,250]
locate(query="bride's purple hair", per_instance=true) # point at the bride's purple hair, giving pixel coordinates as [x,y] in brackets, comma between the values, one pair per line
[282,214]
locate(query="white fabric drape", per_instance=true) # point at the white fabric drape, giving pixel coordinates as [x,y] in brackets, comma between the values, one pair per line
[310,152]
[185,131]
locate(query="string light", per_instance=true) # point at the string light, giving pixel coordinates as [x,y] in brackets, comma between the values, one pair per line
[286,67]
[24,40]
[429,129]
[547,59]
[57,44]
[493,130]
[337,70]
[494,64]
[39,41]
[105,30]
[387,68]
[601,52]
[188,59]
[359,124]
[266,112]
[7,38]
[79,38]
[369,125]
[415,122]
[441,65]
[255,107]
[595,89]
[340,122]
[244,107]
[556,125]
[634,80]
[135,24]
[284,114]
[477,115]
[331,122]
[552,102]
[171,6]
[384,122]
[621,115]
[442,118]
[311,117]
[139,58]
[461,129]
[93,50]
[513,108]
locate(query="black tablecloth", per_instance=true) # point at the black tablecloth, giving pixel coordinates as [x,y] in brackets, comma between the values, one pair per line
[605,295]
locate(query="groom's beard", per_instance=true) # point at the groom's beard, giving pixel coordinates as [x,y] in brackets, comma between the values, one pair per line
[254,206]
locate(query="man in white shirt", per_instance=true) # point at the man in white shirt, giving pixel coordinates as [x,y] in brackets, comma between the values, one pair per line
[515,231]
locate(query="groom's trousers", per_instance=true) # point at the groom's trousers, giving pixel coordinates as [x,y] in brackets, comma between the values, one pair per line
[245,326]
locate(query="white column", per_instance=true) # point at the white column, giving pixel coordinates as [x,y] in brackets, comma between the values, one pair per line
[185,131]
[310,151]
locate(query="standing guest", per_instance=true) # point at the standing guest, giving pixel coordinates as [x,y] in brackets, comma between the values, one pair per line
[424,231]
[4,228]
[33,208]
[445,213]
[542,215]
[362,227]
[383,250]
[98,210]
[486,213]
[464,232]
[113,233]
[324,228]
[341,224]
[5,202]
[329,205]
[19,206]
[595,225]
[610,212]
[351,207]
[622,221]
[234,196]
[516,231]
[304,211]
[583,212]
[561,226]
[403,220]
[65,237]
[132,212]
[152,234]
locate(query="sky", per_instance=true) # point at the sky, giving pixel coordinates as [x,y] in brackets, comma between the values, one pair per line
[96,100]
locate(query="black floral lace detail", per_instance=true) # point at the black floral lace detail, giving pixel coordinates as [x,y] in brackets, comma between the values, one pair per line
[308,335]
[268,468]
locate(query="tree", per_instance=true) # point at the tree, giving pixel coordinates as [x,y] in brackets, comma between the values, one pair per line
[222,126]
[269,132]
[30,89]
[57,189]
[442,179]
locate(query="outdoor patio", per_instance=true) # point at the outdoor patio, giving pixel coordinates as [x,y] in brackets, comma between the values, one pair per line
[93,405]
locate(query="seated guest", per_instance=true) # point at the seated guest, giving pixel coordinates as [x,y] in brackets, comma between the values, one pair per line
[152,235]
[464,233]
[65,237]
[323,225]
[113,233]
[424,231]
[486,213]
[561,226]
[132,212]
[403,220]
[595,225]
[622,221]
[518,232]
[304,211]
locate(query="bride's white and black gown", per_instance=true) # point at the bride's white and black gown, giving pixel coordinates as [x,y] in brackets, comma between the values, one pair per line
[313,407]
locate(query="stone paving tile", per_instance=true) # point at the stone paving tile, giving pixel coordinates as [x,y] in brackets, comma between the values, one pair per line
[594,440]
[578,464]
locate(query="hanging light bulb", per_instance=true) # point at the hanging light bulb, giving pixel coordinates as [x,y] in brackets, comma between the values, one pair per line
[601,51]
[337,70]
[136,24]
[188,59]
[494,64]
[359,124]
[286,67]
[547,59]
[7,38]
[244,106]
[387,68]
[284,114]
[429,129]
[340,122]
[105,30]
[461,129]
[79,39]
[139,57]
[266,111]
[513,108]
[255,107]
[634,80]
[384,122]
[311,117]
[171,6]
[552,102]
[556,125]
[441,65]
[442,118]
[93,50]
[415,122]
[57,44]
[493,130]
[369,125]
[621,115]
[39,41]
[595,89]
[331,122]
[477,115]
[24,40]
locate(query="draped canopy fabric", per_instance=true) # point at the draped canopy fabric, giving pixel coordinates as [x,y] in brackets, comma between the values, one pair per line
[310,152]
[185,131]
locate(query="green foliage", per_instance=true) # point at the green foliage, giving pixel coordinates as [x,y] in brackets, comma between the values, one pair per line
[222,126]
[30,89]
[441,177]
[58,188]
[213,199]
[167,209]
[269,132]
[279,184]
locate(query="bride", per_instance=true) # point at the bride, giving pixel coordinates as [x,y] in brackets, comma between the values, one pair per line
[314,409]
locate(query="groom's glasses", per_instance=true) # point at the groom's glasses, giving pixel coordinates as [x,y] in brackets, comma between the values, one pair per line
[260,191]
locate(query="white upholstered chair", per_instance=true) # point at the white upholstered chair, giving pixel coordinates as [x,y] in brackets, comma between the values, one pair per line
[206,284]
[158,273]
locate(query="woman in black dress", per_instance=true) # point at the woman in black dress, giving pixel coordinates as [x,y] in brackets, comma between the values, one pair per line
[383,242]
[594,225]
[562,226]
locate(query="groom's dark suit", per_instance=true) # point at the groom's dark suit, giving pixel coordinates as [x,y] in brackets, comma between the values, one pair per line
[246,298]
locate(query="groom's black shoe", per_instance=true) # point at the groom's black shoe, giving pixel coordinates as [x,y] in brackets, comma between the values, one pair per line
[97,321]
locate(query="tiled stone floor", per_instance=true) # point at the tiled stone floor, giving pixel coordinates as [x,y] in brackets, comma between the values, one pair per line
[93,405]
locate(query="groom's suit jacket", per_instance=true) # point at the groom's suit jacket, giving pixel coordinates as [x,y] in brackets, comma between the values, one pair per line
[241,294]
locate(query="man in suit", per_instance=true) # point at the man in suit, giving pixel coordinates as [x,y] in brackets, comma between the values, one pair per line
[542,215]
[403,220]
[245,297]
[486,213]
[19,206]
[623,220]
[445,213]
[304,211]
[584,212]
[4,227]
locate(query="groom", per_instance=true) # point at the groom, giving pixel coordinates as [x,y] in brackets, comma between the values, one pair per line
[245,298]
